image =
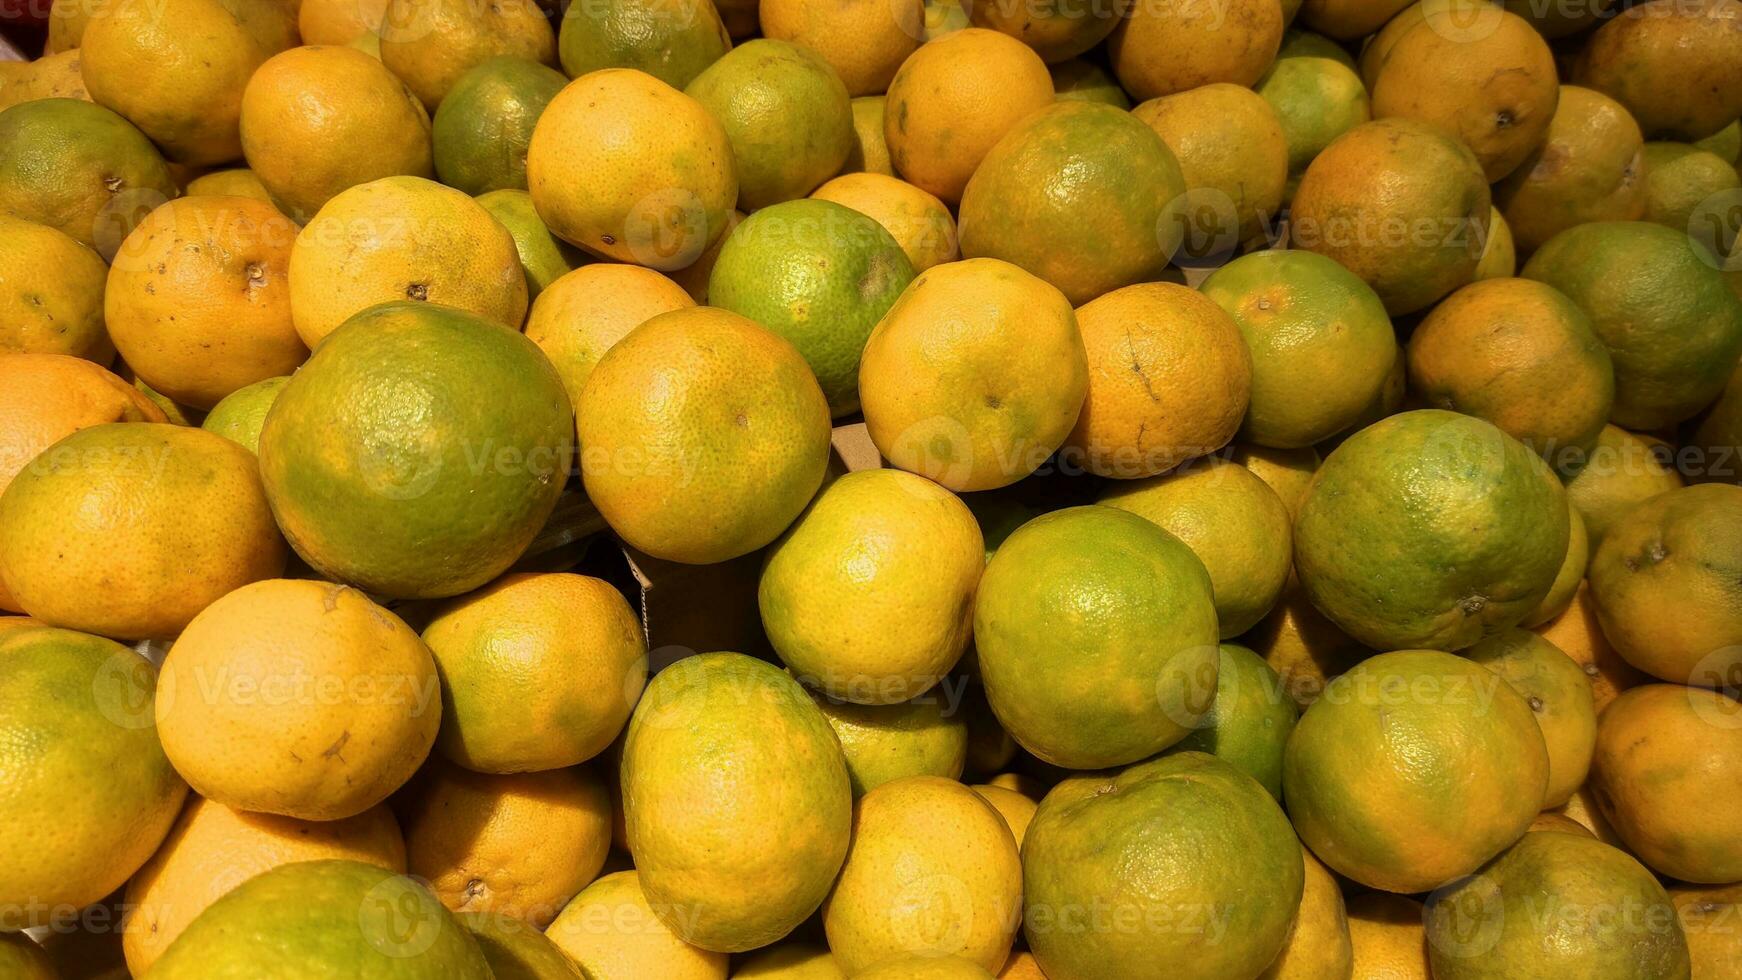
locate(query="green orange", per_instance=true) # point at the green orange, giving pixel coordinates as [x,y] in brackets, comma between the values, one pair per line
[1096,633]
[1082,194]
[426,510]
[1659,303]
[89,777]
[1190,852]
[819,274]
[1430,529]
[787,114]
[483,126]
[1414,768]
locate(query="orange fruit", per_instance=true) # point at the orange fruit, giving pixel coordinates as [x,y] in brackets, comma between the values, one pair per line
[212,849]
[1387,937]
[953,99]
[1657,301]
[736,870]
[303,699]
[1096,636]
[1414,769]
[1185,831]
[564,650]
[1233,522]
[317,120]
[865,41]
[51,293]
[1666,772]
[1664,585]
[339,21]
[1484,75]
[1169,380]
[1287,471]
[80,169]
[1234,158]
[1521,355]
[91,791]
[1395,501]
[1170,46]
[177,68]
[919,222]
[198,299]
[1056,32]
[45,397]
[581,315]
[1402,204]
[1590,167]
[512,846]
[367,499]
[975,376]
[1082,194]
[631,169]
[932,872]
[721,470]
[1483,925]
[1559,695]
[672,40]
[431,43]
[1621,471]
[612,931]
[787,114]
[1708,916]
[403,238]
[869,596]
[1304,648]
[1318,943]
[170,517]
[1670,64]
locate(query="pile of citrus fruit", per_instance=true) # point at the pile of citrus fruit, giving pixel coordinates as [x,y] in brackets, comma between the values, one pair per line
[872,490]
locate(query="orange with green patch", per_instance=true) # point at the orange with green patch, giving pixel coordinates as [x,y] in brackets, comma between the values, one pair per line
[1413,769]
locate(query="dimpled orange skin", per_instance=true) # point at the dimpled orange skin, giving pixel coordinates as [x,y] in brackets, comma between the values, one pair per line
[1521,355]
[1478,72]
[339,21]
[212,849]
[975,375]
[1590,167]
[518,846]
[51,293]
[953,99]
[1414,768]
[703,435]
[1168,46]
[299,698]
[1667,773]
[579,317]
[431,43]
[1667,584]
[165,519]
[403,238]
[316,120]
[198,299]
[46,397]
[865,41]
[539,671]
[1387,937]
[1169,378]
[1399,203]
[629,168]
[1672,64]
